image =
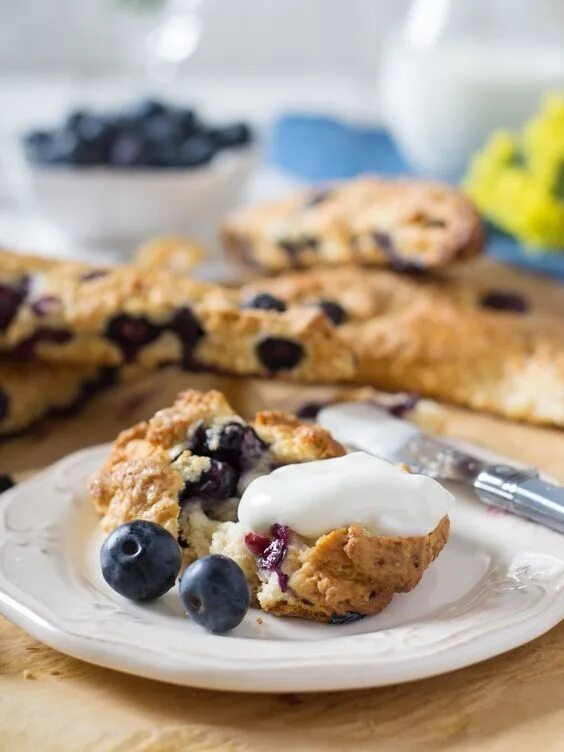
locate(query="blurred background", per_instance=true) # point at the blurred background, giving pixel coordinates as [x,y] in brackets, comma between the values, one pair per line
[331,88]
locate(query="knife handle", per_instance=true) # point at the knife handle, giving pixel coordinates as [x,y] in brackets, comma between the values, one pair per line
[522,492]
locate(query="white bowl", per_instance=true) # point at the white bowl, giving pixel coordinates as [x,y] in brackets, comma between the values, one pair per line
[105,204]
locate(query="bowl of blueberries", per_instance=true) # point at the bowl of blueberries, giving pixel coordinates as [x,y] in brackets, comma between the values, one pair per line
[148,169]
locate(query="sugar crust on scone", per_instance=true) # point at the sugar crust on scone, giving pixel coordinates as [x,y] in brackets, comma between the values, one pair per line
[400,223]
[30,391]
[75,313]
[439,338]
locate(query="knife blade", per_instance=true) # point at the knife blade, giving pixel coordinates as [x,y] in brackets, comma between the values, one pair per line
[372,429]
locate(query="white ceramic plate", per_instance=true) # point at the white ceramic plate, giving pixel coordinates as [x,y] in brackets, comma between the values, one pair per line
[498,584]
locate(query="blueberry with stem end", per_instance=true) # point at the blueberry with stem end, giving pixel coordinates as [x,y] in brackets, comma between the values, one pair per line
[140,560]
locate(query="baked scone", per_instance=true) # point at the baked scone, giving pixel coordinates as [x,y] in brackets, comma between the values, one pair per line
[337,578]
[186,468]
[479,348]
[399,223]
[71,312]
[30,391]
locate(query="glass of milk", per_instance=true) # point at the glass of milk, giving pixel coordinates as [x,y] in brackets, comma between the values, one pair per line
[462,68]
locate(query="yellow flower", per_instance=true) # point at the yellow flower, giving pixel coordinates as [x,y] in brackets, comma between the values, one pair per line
[517,180]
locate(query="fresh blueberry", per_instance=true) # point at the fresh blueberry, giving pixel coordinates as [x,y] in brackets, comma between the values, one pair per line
[279,354]
[162,128]
[148,108]
[140,560]
[6,482]
[334,312]
[165,154]
[75,119]
[38,146]
[70,148]
[130,150]
[187,121]
[215,593]
[196,151]
[217,483]
[229,136]
[265,302]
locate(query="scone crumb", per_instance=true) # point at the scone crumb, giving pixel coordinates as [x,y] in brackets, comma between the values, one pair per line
[259,620]
[27,674]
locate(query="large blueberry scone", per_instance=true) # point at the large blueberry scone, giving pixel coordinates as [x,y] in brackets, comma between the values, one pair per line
[71,312]
[186,468]
[480,348]
[400,223]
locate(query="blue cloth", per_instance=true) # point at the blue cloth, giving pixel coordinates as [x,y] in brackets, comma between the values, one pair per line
[317,148]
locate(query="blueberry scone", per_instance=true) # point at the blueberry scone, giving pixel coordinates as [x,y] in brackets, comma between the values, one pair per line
[186,469]
[480,348]
[71,312]
[30,391]
[400,223]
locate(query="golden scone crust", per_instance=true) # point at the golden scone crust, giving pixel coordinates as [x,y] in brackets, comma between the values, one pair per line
[142,480]
[400,223]
[74,313]
[349,571]
[30,391]
[439,338]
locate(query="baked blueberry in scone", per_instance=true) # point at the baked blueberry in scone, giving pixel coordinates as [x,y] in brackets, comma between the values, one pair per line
[404,224]
[186,469]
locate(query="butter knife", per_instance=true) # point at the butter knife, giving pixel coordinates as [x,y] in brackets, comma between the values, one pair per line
[518,490]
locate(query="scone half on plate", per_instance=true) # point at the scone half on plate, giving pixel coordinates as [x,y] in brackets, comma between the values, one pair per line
[186,469]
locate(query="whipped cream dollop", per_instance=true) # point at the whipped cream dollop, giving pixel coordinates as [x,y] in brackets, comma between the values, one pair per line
[313,498]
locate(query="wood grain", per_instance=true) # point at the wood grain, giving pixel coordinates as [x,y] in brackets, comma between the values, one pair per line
[53,703]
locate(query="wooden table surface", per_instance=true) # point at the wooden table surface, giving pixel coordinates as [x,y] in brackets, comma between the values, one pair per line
[53,703]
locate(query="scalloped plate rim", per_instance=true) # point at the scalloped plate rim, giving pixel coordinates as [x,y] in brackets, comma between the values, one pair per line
[361,670]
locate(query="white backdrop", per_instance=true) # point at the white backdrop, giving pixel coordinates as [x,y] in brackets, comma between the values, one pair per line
[239,35]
